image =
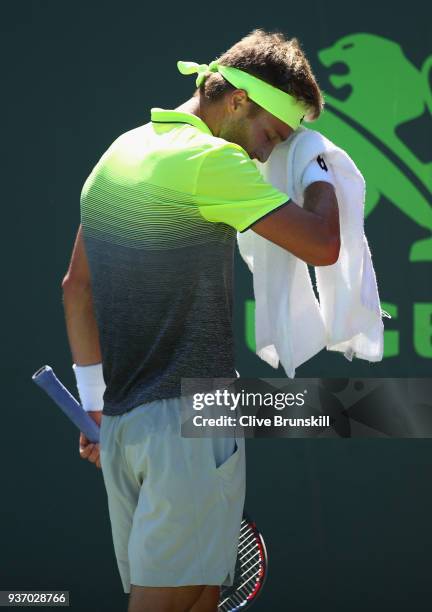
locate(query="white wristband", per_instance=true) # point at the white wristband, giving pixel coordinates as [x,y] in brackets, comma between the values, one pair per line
[91,386]
[317,170]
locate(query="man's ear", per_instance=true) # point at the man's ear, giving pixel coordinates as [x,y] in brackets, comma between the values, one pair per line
[238,100]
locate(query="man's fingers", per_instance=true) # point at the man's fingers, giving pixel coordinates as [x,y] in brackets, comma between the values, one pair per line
[83,440]
[89,450]
[94,455]
[85,451]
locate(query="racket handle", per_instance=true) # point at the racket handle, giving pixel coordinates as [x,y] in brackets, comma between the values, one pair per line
[48,381]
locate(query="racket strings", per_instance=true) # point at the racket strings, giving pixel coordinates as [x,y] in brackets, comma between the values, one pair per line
[249,571]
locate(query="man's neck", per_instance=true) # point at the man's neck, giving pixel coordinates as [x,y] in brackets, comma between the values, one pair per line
[209,116]
[190,106]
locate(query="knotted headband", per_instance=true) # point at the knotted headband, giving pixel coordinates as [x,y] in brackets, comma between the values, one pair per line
[277,102]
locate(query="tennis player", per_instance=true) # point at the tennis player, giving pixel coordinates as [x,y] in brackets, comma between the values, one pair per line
[148,300]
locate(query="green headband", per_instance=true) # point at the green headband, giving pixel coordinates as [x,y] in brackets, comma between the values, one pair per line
[274,100]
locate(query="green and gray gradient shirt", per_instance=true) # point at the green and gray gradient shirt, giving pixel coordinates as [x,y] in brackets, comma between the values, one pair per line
[159,214]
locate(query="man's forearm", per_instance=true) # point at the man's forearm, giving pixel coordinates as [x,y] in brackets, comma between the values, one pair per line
[79,310]
[81,323]
[320,199]
[310,232]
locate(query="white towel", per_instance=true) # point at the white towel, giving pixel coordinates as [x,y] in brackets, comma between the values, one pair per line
[291,325]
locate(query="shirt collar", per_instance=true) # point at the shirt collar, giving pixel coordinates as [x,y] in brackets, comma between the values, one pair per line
[160,115]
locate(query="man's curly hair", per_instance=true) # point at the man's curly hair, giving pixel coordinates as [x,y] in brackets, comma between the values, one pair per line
[272,57]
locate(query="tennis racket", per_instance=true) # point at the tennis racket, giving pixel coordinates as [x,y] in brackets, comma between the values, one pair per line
[250,570]
[251,565]
[48,381]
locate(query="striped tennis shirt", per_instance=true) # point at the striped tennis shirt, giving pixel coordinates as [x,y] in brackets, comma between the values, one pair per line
[159,213]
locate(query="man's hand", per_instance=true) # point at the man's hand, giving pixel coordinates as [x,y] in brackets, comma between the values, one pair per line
[89,450]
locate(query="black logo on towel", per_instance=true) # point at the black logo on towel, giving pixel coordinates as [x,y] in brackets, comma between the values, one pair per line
[321,163]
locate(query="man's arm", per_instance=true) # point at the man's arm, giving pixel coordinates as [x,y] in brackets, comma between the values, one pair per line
[79,310]
[310,233]
[82,328]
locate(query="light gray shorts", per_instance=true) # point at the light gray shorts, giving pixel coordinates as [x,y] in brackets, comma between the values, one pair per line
[175,503]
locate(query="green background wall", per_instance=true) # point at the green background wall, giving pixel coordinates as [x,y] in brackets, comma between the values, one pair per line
[347,522]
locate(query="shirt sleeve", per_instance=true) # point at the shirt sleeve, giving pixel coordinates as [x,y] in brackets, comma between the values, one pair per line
[317,170]
[231,190]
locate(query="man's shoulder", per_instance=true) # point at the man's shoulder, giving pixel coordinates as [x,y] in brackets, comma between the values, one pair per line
[135,133]
[218,152]
[194,139]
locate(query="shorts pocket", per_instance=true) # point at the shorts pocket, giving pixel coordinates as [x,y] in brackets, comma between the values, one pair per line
[231,474]
[226,469]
